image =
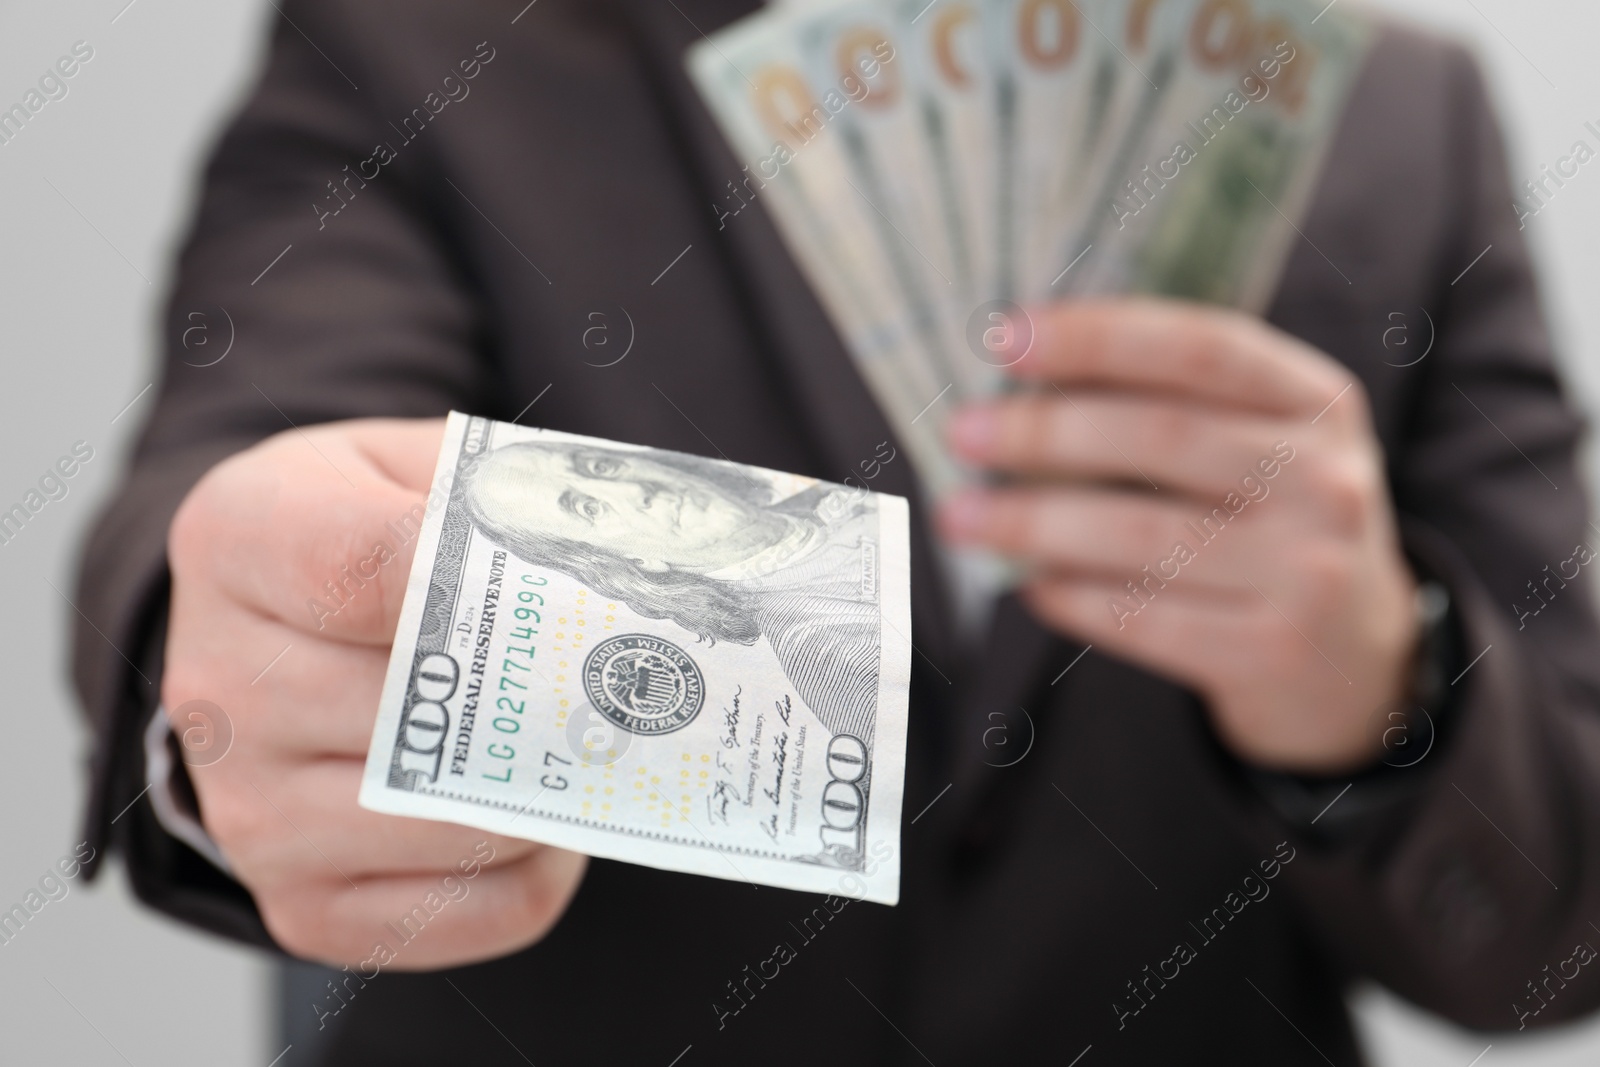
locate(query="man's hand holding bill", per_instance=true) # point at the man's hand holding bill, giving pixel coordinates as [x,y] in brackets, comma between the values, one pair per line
[1203,495]
[256,540]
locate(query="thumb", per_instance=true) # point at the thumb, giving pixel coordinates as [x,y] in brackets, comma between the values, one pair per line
[316,528]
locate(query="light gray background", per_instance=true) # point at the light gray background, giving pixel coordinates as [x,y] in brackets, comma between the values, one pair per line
[93,194]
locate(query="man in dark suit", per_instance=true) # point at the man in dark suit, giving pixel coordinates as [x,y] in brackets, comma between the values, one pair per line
[1351,731]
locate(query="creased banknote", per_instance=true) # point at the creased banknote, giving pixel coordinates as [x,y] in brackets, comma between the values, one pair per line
[653,657]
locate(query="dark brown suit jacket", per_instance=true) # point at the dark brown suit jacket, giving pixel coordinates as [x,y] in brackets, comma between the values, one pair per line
[1043,902]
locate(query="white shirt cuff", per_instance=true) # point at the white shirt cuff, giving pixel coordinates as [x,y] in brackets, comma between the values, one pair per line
[158,767]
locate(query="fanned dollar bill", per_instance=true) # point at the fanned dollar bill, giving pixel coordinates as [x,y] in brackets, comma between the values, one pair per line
[780,108]
[929,164]
[653,657]
[1208,183]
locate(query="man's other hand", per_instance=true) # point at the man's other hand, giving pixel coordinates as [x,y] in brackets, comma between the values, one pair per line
[1203,495]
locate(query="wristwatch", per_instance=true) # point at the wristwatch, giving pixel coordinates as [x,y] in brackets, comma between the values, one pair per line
[1329,808]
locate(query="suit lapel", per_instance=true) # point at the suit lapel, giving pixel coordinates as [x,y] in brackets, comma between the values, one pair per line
[1003,707]
[831,399]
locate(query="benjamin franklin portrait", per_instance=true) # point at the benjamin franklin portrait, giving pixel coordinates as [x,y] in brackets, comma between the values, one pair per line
[707,545]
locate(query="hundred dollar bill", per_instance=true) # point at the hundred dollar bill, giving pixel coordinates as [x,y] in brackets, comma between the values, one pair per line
[784,125]
[1203,199]
[1137,46]
[1042,52]
[896,171]
[655,658]
[946,47]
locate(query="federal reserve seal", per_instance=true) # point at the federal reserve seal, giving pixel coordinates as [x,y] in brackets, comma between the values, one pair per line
[643,684]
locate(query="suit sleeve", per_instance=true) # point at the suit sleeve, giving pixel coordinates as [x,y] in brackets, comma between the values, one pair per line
[321,317]
[1484,892]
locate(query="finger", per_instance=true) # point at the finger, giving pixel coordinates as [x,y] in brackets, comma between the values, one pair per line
[429,919]
[1105,532]
[1184,633]
[303,822]
[311,528]
[285,693]
[1203,353]
[1160,442]
[405,450]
